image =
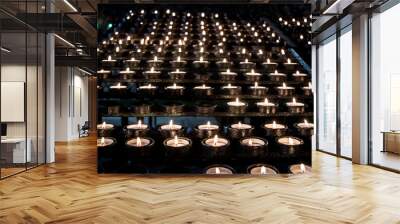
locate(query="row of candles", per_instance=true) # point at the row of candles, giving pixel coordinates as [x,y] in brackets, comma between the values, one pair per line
[208,129]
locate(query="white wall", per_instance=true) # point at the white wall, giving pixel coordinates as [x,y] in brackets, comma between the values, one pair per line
[71,102]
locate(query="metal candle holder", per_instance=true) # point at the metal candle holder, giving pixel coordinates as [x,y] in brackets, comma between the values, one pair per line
[143,149]
[237,132]
[256,149]
[305,130]
[287,148]
[215,151]
[173,108]
[179,150]
[205,108]
[221,168]
[285,90]
[279,130]
[270,66]
[177,74]
[262,169]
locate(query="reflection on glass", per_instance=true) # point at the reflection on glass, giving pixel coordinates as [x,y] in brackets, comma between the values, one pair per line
[385,88]
[327,96]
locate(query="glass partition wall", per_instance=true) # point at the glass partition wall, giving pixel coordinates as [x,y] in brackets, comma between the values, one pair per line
[334,94]
[385,89]
[22,76]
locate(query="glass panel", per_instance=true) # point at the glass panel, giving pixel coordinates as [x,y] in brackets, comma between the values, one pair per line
[41,98]
[385,84]
[327,96]
[14,145]
[346,94]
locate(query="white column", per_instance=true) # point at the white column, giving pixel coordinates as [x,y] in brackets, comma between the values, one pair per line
[360,90]
[50,98]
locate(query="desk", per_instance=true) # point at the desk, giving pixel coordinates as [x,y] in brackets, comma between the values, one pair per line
[13,150]
[391,141]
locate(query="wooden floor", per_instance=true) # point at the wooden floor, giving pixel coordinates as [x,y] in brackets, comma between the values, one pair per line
[70,191]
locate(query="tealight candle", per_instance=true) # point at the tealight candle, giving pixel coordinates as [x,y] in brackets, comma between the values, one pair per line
[175,89]
[118,86]
[127,73]
[177,74]
[257,90]
[300,169]
[201,63]
[270,66]
[308,90]
[289,65]
[224,64]
[215,146]
[148,89]
[290,144]
[285,90]
[236,106]
[262,169]
[305,128]
[299,77]
[152,74]
[219,170]
[274,129]
[254,146]
[105,126]
[228,75]
[246,64]
[231,90]
[103,73]
[253,76]
[266,107]
[173,108]
[203,90]
[177,147]
[132,62]
[178,63]
[206,130]
[140,142]
[138,129]
[277,77]
[295,107]
[105,142]
[240,130]
[156,62]
[171,129]
[109,61]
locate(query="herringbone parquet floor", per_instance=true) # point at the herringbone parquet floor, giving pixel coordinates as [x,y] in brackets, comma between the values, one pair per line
[70,191]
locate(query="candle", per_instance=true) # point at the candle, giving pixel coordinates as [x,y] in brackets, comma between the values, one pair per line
[201,63]
[253,142]
[275,129]
[269,65]
[277,77]
[102,71]
[290,144]
[300,77]
[140,142]
[152,74]
[285,90]
[177,142]
[262,169]
[305,128]
[118,86]
[177,74]
[127,71]
[105,126]
[178,63]
[300,169]
[295,107]
[241,126]
[219,170]
[138,126]
[236,106]
[216,142]
[246,64]
[109,59]
[266,107]
[308,91]
[228,75]
[104,142]
[252,75]
[289,65]
[156,62]
[208,126]
[203,90]
[257,90]
[171,126]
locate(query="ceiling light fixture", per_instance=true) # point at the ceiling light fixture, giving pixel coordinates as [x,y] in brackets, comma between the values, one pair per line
[64,40]
[70,5]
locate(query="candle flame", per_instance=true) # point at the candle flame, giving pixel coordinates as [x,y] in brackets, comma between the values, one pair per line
[155,57]
[274,124]
[204,85]
[305,121]
[246,60]
[132,58]
[117,49]
[269,61]
[217,171]
[201,50]
[240,124]
[138,141]
[201,58]
[229,85]
[302,168]
[179,58]
[250,142]
[276,71]
[310,85]
[221,51]
[152,69]
[294,100]
[139,123]
[289,61]
[174,86]
[284,85]
[177,70]
[176,140]
[102,141]
[260,51]
[291,142]
[256,84]
[149,85]
[208,124]
[109,58]
[263,170]
[103,125]
[215,140]
[237,100]
[170,124]
[266,100]
[297,72]
[252,71]
[228,70]
[244,51]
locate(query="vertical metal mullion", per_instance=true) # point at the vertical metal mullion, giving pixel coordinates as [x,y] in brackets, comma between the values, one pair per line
[0,90]
[37,90]
[317,96]
[338,94]
[369,100]
[26,86]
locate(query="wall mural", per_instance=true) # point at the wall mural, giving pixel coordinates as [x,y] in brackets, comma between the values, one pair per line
[208,89]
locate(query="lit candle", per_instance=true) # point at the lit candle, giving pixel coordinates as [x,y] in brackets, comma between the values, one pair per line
[236,106]
[216,142]
[236,103]
[105,126]
[177,142]
[171,126]
[137,126]
[300,169]
[118,86]
[285,90]
[104,142]
[219,170]
[208,126]
[258,90]
[262,169]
